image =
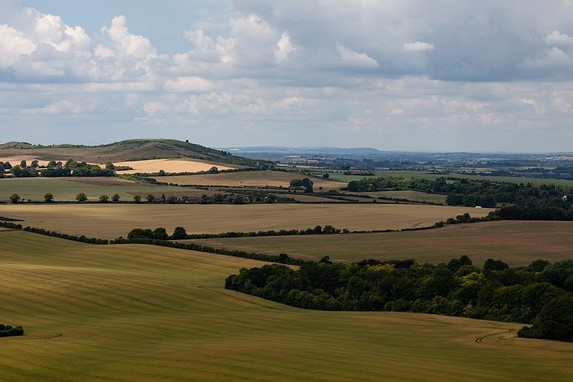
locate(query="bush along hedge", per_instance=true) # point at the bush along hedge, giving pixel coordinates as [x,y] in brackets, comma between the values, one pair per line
[10,331]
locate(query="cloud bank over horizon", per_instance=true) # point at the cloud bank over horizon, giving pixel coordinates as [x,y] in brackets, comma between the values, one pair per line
[395,75]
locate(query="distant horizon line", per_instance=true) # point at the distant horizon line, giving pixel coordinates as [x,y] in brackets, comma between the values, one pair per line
[232,148]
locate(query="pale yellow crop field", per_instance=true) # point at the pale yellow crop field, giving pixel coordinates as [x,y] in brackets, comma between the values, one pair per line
[168,165]
[114,220]
[142,313]
[16,160]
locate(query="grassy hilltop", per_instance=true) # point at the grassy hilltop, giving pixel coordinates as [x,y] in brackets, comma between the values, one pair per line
[133,149]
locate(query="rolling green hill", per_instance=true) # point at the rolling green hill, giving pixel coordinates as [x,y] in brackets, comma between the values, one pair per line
[143,313]
[133,149]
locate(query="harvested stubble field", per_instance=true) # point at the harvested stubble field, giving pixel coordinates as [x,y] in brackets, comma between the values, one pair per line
[249,179]
[169,165]
[517,243]
[143,313]
[111,221]
[66,189]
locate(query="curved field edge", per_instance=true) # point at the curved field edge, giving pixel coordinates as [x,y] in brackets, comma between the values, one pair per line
[110,221]
[517,243]
[135,312]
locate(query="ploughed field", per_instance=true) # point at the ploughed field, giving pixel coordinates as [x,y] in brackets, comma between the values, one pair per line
[135,312]
[517,243]
[111,221]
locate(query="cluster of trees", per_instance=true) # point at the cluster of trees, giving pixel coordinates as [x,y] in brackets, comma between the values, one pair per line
[181,234]
[318,230]
[302,184]
[56,169]
[157,234]
[518,201]
[9,331]
[396,183]
[218,198]
[540,294]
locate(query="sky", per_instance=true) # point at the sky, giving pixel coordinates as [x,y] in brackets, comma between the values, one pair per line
[406,75]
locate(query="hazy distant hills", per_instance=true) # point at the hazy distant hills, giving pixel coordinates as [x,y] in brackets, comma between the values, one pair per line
[359,151]
[133,149]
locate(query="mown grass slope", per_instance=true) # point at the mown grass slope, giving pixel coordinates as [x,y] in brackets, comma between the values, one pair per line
[142,313]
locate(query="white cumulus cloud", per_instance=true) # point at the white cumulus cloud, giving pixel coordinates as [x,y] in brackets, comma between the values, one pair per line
[284,47]
[13,44]
[354,59]
[418,46]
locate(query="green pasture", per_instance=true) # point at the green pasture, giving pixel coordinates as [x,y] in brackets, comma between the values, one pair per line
[341,177]
[66,189]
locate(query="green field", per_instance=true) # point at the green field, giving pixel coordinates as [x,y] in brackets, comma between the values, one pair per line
[517,243]
[66,189]
[339,176]
[142,313]
[114,220]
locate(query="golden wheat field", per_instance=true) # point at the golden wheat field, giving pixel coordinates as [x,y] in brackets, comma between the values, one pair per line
[111,221]
[142,313]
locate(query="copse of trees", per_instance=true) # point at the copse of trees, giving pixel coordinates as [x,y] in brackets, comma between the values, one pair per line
[156,234]
[533,295]
[59,169]
[518,201]
[306,184]
[9,330]
[180,233]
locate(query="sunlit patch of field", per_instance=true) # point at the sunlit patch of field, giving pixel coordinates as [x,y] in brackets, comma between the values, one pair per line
[142,313]
[168,165]
[517,243]
[111,221]
[249,179]
[16,160]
